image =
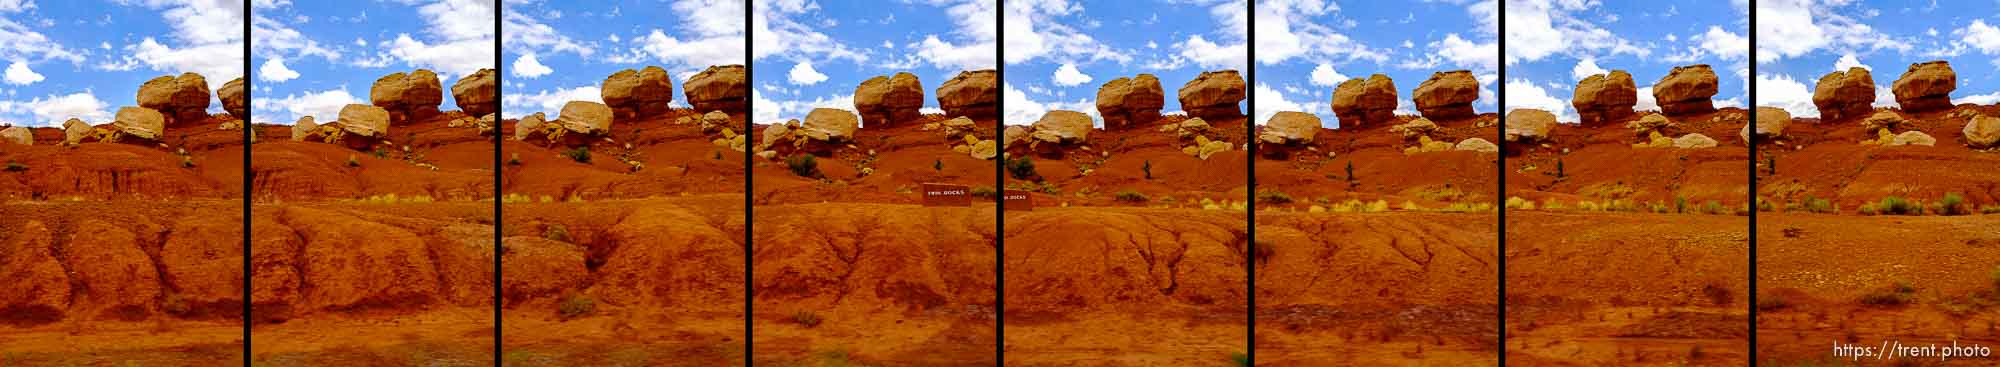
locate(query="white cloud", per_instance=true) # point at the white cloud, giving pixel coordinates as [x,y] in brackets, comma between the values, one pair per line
[692,53]
[451,59]
[1212,55]
[1885,98]
[1984,37]
[1271,101]
[527,66]
[803,74]
[323,106]
[1020,109]
[16,6]
[1324,75]
[772,111]
[1068,76]
[1467,54]
[1525,94]
[1982,99]
[1539,28]
[1715,42]
[53,110]
[1790,28]
[1848,61]
[775,32]
[1646,102]
[218,63]
[19,74]
[547,101]
[1286,29]
[526,34]
[1782,91]
[274,70]
[1585,68]
[1033,33]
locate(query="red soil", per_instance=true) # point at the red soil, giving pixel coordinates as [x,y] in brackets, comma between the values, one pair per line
[1598,158]
[1381,170]
[679,159]
[131,169]
[1116,160]
[906,158]
[311,170]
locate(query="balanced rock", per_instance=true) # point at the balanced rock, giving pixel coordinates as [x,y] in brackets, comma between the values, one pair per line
[1686,90]
[1926,86]
[1214,95]
[1059,126]
[1128,102]
[973,93]
[829,125]
[1982,131]
[1529,125]
[478,94]
[720,88]
[1290,127]
[17,135]
[1360,102]
[1842,95]
[1771,122]
[233,99]
[889,100]
[303,128]
[1447,95]
[75,130]
[585,117]
[1605,97]
[1476,145]
[408,97]
[141,122]
[640,93]
[182,99]
[364,120]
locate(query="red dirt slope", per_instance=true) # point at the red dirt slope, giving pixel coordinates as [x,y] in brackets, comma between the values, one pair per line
[131,169]
[905,158]
[311,170]
[1382,171]
[1600,164]
[678,158]
[1116,160]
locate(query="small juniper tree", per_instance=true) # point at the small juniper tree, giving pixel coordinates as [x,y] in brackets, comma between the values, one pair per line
[938,165]
[1771,166]
[1559,170]
[1148,167]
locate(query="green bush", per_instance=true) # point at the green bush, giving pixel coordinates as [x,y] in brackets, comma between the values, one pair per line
[1239,359]
[1680,204]
[1895,205]
[1897,294]
[807,318]
[1268,196]
[1954,204]
[985,192]
[580,154]
[938,165]
[576,306]
[1818,205]
[1022,168]
[13,166]
[1132,197]
[804,165]
[1713,207]
[352,162]
[1995,276]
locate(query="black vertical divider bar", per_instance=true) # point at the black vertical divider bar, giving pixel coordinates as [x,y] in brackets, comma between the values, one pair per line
[1752,165]
[1250,216]
[1500,201]
[749,221]
[249,94]
[499,248]
[1000,185]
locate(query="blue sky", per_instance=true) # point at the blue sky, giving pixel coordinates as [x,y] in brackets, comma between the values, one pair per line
[812,54]
[1059,52]
[1552,44]
[314,57]
[1798,41]
[1306,48]
[86,58]
[561,51]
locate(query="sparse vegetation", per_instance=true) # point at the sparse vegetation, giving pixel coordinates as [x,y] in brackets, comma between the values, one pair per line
[804,165]
[985,192]
[1131,197]
[1022,169]
[1713,207]
[1989,209]
[13,166]
[580,154]
[1773,301]
[1269,196]
[808,319]
[938,165]
[1240,359]
[575,306]
[352,161]
[1680,204]
[1148,168]
[1560,175]
[1896,205]
[1867,209]
[1821,206]
[1953,204]
[556,232]
[187,162]
[1517,203]
[1897,294]
[514,160]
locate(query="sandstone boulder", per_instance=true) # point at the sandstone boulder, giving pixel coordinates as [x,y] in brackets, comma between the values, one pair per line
[640,93]
[1014,136]
[528,125]
[721,88]
[233,99]
[715,121]
[1364,101]
[1686,90]
[1059,126]
[1529,125]
[1476,145]
[889,100]
[1214,95]
[1771,122]
[1605,97]
[1926,86]
[17,135]
[984,149]
[1290,127]
[303,128]
[1128,102]
[141,122]
[412,96]
[830,125]
[478,94]
[1694,140]
[973,93]
[181,100]
[1447,95]
[1415,128]
[1842,95]
[1882,120]
[1982,132]
[364,120]
[585,117]
[75,130]
[1649,123]
[1914,137]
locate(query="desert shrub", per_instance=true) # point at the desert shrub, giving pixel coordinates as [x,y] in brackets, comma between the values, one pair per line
[1467,207]
[1239,359]
[985,192]
[1773,301]
[1268,196]
[937,165]
[575,306]
[1022,168]
[1895,294]
[1657,207]
[1559,170]
[580,154]
[1953,204]
[1148,168]
[1765,205]
[1377,207]
[1713,207]
[1818,205]
[1131,197]
[13,166]
[1517,203]
[514,159]
[187,162]
[556,232]
[1552,204]
[1896,205]
[1680,204]
[804,165]
[1868,209]
[1588,206]
[1995,277]
[352,162]
[807,318]
[1989,209]
[1411,206]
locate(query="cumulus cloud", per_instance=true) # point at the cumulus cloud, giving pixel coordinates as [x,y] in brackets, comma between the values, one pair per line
[1646,101]
[1068,76]
[52,110]
[323,106]
[1285,30]
[1848,61]
[803,74]
[1033,32]
[19,74]
[774,31]
[1271,101]
[274,70]
[1021,110]
[1522,93]
[1782,91]
[1790,28]
[548,101]
[1539,28]
[770,111]
[527,66]
[1585,68]
[1324,75]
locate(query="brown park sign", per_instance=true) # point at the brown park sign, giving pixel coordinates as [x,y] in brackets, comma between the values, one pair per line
[947,195]
[1017,200]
